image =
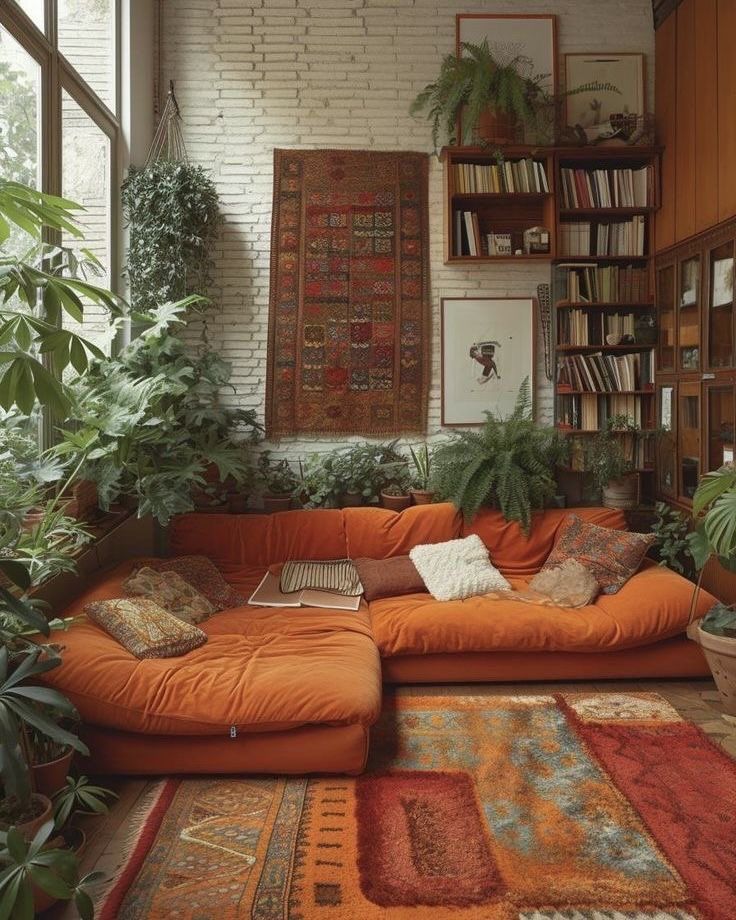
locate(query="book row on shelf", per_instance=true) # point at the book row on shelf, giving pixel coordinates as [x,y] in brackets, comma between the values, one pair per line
[606,283]
[590,412]
[599,373]
[607,188]
[509,176]
[581,327]
[621,238]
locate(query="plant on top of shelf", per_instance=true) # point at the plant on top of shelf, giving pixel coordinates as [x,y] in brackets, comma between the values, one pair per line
[610,465]
[509,464]
[475,85]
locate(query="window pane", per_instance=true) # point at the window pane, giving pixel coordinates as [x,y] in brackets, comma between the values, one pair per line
[86,179]
[87,40]
[34,10]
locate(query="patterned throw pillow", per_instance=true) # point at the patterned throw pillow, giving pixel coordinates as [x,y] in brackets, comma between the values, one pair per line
[612,556]
[457,569]
[145,629]
[202,574]
[170,591]
[567,585]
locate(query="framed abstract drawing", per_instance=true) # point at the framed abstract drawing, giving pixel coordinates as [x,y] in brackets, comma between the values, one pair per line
[532,38]
[489,347]
[594,109]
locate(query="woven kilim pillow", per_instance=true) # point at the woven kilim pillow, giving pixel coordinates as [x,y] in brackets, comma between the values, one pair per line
[145,629]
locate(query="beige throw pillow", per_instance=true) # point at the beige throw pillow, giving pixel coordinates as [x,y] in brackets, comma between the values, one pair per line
[568,585]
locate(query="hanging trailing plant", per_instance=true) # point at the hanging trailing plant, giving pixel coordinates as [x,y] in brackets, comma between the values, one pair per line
[172,211]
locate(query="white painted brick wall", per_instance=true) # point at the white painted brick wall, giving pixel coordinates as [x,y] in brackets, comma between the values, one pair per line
[252,75]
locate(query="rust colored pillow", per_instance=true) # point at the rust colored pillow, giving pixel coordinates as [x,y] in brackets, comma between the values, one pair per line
[612,556]
[388,577]
[145,629]
[202,574]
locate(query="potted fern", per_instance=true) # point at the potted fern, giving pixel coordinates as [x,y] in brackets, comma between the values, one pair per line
[509,464]
[497,102]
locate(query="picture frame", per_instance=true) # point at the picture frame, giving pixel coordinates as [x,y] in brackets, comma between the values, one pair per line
[488,347]
[533,35]
[625,70]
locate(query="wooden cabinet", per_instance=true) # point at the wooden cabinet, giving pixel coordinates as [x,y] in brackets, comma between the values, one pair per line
[726,94]
[664,107]
[706,115]
[696,368]
[685,164]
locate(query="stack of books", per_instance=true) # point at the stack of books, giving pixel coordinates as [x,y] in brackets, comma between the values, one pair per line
[607,188]
[467,234]
[583,238]
[513,176]
[606,284]
[581,327]
[599,373]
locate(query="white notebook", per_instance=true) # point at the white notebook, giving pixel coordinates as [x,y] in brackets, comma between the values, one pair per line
[269,594]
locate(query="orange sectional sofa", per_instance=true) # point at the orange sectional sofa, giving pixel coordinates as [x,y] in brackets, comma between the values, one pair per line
[296,691]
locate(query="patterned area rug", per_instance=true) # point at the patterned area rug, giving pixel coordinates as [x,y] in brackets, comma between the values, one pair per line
[349,322]
[572,807]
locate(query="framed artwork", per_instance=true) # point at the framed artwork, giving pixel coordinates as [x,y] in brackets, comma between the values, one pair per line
[510,36]
[488,348]
[722,287]
[593,110]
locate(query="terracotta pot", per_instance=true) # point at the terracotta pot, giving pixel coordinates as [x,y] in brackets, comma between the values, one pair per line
[720,653]
[29,828]
[273,502]
[32,519]
[622,493]
[496,127]
[351,499]
[395,502]
[421,496]
[49,777]
[80,501]
[71,838]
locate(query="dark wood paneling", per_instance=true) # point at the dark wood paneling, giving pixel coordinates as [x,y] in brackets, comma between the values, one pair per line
[662,9]
[685,163]
[726,108]
[706,115]
[664,106]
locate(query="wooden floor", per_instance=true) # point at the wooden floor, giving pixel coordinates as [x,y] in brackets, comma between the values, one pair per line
[697,701]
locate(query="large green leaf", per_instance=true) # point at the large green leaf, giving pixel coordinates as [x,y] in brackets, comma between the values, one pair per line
[720,524]
[711,486]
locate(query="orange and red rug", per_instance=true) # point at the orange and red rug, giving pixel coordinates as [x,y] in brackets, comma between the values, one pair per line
[568,807]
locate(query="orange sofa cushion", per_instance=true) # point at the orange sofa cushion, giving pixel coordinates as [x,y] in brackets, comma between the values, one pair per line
[652,605]
[260,670]
[375,533]
[516,554]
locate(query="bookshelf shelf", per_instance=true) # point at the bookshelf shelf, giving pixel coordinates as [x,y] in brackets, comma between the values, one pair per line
[593,260]
[603,213]
[529,257]
[502,196]
[611,349]
[605,392]
[621,306]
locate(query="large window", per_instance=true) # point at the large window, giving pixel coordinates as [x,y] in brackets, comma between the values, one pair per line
[59,127]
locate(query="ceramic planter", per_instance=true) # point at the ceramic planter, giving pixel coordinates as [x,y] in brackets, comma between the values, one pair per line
[49,777]
[70,838]
[622,493]
[421,496]
[395,502]
[45,808]
[273,502]
[720,653]
[32,518]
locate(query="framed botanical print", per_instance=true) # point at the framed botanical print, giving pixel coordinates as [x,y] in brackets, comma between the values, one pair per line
[529,37]
[593,110]
[488,349]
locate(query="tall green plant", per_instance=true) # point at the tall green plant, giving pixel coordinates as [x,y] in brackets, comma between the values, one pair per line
[172,211]
[509,464]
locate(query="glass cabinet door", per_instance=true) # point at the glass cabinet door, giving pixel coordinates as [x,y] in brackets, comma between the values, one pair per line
[667,441]
[721,409]
[720,306]
[688,319]
[666,303]
[688,438]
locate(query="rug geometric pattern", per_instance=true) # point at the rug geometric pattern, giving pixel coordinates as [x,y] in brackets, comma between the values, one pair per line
[565,807]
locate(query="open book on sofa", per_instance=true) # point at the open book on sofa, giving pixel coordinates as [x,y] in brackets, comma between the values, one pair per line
[269,594]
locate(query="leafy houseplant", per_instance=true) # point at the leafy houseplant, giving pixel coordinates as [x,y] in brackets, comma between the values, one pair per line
[351,475]
[610,466]
[173,215]
[279,480]
[421,460]
[714,536]
[508,464]
[475,85]
[671,529]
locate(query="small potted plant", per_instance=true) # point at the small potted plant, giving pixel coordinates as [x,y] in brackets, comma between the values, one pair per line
[714,536]
[279,480]
[421,494]
[610,465]
[394,497]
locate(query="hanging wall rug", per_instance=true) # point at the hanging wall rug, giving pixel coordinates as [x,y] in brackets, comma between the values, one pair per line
[348,344]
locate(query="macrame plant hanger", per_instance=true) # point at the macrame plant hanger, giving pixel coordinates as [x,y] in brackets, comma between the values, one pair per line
[168,141]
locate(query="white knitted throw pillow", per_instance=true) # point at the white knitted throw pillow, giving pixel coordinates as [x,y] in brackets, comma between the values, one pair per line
[457,569]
